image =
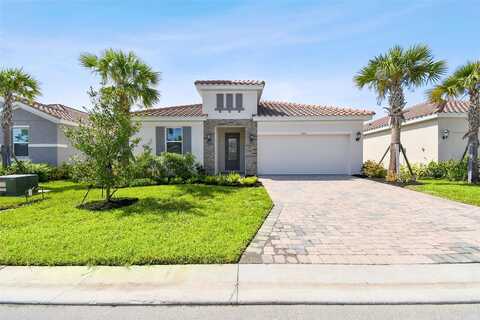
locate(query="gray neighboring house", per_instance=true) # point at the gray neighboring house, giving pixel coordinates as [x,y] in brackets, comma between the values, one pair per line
[38,131]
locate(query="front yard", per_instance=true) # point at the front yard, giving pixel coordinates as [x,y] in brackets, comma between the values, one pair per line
[456,191]
[172,224]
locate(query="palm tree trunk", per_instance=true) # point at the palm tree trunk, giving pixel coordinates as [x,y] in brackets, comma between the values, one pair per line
[7,131]
[473,126]
[397,103]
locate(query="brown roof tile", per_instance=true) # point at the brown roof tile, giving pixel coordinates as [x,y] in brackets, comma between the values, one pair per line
[422,110]
[186,111]
[230,82]
[58,111]
[289,109]
[265,109]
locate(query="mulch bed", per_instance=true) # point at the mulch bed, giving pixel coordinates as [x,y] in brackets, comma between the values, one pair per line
[102,205]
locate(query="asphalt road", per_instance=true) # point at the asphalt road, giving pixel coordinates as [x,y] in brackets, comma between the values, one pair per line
[317,312]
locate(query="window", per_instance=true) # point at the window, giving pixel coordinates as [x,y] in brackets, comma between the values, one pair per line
[219,101]
[239,101]
[229,101]
[20,137]
[174,140]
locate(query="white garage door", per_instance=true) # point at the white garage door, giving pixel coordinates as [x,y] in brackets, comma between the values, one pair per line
[304,154]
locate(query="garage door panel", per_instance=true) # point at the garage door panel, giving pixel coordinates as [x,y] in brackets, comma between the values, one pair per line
[303,154]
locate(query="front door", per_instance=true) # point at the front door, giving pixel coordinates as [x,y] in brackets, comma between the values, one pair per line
[232,152]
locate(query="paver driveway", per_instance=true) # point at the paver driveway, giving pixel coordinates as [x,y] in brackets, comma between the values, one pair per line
[346,220]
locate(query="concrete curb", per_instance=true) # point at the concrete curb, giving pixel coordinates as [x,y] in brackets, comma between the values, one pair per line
[241,284]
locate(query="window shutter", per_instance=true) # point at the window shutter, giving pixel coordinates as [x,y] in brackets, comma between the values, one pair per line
[159,140]
[219,101]
[229,101]
[239,101]
[187,140]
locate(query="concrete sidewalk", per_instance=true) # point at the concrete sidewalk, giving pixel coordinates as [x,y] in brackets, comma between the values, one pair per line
[242,284]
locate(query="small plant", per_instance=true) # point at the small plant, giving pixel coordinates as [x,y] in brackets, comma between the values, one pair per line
[420,170]
[249,181]
[405,176]
[456,170]
[62,172]
[436,170]
[373,169]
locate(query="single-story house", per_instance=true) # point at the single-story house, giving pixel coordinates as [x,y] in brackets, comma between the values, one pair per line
[232,129]
[38,131]
[430,132]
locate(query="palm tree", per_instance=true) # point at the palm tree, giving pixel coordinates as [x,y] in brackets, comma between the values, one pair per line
[14,83]
[389,75]
[126,73]
[465,81]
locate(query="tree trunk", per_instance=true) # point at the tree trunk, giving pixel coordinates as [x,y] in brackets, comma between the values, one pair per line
[397,102]
[473,126]
[7,131]
[108,187]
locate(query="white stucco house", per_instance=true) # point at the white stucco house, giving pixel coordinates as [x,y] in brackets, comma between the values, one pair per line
[430,132]
[233,129]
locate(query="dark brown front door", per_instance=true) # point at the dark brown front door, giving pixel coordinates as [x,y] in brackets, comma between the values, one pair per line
[232,151]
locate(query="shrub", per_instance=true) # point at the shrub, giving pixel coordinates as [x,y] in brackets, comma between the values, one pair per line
[178,165]
[249,181]
[62,172]
[420,170]
[456,170]
[142,182]
[436,170]
[404,175]
[43,170]
[373,169]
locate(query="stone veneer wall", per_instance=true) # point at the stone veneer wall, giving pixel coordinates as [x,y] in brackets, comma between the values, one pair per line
[250,146]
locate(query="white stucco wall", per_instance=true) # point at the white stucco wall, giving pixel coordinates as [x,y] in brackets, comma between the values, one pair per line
[147,134]
[320,128]
[454,146]
[420,141]
[250,102]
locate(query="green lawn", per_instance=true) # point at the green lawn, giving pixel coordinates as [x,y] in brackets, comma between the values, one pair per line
[176,224]
[457,191]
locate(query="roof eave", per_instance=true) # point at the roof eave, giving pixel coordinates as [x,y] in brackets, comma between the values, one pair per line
[168,118]
[313,118]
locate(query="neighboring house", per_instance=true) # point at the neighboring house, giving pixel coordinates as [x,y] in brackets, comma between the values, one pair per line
[38,131]
[430,132]
[233,130]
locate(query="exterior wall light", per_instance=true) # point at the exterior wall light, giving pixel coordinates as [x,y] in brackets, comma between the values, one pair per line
[445,134]
[209,138]
[252,138]
[358,136]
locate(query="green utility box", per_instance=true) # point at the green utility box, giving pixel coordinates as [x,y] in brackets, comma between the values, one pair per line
[17,184]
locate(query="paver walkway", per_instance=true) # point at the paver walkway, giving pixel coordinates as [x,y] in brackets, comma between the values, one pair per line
[346,220]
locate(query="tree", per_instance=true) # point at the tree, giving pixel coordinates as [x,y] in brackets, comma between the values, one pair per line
[102,140]
[126,73]
[465,81]
[14,83]
[389,75]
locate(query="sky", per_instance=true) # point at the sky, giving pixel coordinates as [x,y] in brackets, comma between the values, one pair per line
[306,51]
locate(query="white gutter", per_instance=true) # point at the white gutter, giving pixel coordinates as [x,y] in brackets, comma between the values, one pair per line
[324,118]
[406,123]
[157,119]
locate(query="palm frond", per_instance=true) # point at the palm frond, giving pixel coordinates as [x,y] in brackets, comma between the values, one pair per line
[128,73]
[15,81]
